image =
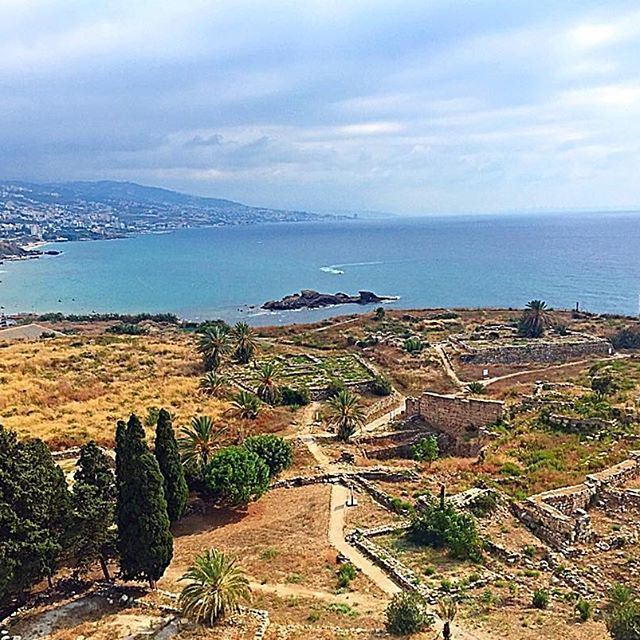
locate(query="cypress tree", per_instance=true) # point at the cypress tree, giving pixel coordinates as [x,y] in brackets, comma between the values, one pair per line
[94,501]
[144,540]
[175,485]
[35,512]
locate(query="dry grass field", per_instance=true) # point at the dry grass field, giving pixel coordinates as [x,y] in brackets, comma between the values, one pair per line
[68,390]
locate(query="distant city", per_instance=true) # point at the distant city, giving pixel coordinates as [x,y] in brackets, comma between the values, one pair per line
[31,213]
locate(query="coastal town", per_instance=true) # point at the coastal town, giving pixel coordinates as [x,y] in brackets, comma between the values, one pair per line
[32,213]
[471,473]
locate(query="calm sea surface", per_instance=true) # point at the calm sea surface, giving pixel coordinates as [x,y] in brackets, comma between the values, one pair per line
[593,259]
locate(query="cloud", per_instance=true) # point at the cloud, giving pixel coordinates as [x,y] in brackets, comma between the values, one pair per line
[416,107]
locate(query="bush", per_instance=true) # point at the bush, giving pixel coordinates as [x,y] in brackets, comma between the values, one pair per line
[442,526]
[381,386]
[274,451]
[484,504]
[127,329]
[426,450]
[584,609]
[346,573]
[623,621]
[540,599]
[295,397]
[413,345]
[236,476]
[476,388]
[335,387]
[627,338]
[406,614]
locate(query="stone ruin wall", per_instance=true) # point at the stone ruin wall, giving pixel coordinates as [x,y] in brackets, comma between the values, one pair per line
[534,352]
[560,516]
[455,416]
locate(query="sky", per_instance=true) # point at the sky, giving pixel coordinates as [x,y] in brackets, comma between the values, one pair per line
[425,107]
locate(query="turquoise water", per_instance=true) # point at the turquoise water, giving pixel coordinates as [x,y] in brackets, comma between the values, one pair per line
[220,272]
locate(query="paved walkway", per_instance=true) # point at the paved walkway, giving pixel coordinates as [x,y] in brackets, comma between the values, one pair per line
[339,495]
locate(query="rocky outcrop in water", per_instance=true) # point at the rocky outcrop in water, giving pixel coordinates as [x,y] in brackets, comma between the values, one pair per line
[309,299]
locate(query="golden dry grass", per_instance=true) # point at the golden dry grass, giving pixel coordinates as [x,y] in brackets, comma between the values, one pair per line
[69,390]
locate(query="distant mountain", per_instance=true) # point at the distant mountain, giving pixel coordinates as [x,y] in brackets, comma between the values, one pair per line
[73,210]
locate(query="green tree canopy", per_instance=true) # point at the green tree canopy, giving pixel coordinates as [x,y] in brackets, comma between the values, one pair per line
[244,342]
[94,507]
[166,450]
[35,514]
[274,451]
[236,476]
[144,540]
[534,320]
[345,414]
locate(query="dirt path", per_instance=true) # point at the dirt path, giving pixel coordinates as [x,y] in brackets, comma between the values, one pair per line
[339,495]
[555,367]
[385,418]
[296,590]
[451,374]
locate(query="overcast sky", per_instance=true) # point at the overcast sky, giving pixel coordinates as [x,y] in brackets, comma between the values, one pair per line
[414,107]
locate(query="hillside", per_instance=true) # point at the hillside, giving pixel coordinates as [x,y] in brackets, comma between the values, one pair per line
[89,210]
[11,250]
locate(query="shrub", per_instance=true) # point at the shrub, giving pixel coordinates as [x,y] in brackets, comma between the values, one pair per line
[406,614]
[627,338]
[484,504]
[584,609]
[442,526]
[335,387]
[295,397]
[623,620]
[346,573]
[379,314]
[426,450]
[413,345]
[274,451]
[236,476]
[127,329]
[476,388]
[381,386]
[540,599]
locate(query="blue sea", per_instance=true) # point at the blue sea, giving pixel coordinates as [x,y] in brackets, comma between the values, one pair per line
[228,272]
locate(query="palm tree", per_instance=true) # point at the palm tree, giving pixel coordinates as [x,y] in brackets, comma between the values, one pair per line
[245,342]
[268,378]
[534,320]
[197,443]
[447,610]
[345,414]
[247,405]
[216,588]
[213,384]
[213,345]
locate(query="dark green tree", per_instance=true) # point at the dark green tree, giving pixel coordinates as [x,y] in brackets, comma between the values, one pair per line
[213,345]
[94,507]
[145,544]
[274,451]
[236,476]
[35,514]
[534,320]
[175,486]
[244,342]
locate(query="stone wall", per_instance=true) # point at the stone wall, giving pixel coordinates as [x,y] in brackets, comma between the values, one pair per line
[459,417]
[560,516]
[534,351]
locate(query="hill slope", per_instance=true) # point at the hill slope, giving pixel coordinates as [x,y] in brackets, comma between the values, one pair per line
[108,209]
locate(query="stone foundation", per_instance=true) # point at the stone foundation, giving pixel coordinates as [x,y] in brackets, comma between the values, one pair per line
[574,347]
[560,517]
[460,418]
